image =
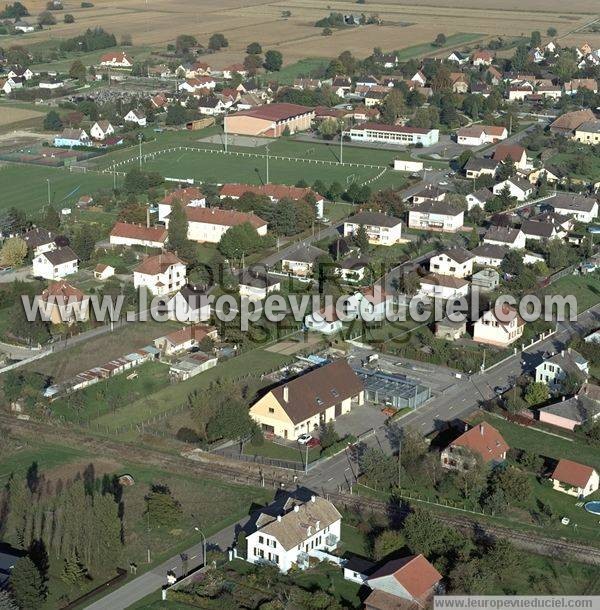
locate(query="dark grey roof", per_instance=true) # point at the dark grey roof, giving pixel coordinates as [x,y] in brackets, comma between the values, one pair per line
[256,279]
[193,296]
[577,408]
[568,360]
[490,251]
[304,254]
[38,236]
[60,255]
[537,228]
[437,207]
[590,127]
[475,164]
[506,235]
[576,203]
[373,218]
[458,254]
[483,194]
[354,262]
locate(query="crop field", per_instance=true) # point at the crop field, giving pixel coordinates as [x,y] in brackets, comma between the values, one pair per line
[10,115]
[403,24]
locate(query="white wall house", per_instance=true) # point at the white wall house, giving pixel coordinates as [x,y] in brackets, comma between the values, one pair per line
[519,189]
[324,321]
[291,538]
[101,129]
[583,209]
[553,370]
[55,264]
[381,229]
[135,116]
[575,479]
[443,287]
[496,330]
[162,274]
[130,234]
[189,304]
[505,236]
[456,262]
[436,216]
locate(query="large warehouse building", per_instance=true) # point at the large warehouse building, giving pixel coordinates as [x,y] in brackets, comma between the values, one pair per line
[270,120]
[394,134]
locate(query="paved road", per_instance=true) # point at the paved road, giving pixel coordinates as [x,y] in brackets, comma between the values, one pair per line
[23,274]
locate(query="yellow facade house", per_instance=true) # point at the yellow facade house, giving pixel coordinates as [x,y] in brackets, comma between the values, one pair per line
[302,404]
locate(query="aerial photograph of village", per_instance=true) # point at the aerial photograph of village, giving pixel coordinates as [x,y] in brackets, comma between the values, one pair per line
[299,304]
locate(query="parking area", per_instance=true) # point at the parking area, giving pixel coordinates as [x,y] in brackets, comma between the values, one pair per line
[360,419]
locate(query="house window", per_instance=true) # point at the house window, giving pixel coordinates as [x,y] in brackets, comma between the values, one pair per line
[261,540]
[271,410]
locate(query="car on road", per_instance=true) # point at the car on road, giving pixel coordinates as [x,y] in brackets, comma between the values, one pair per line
[304,439]
[499,390]
[443,183]
[313,442]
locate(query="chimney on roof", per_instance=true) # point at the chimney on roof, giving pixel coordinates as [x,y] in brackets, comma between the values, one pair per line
[481,429]
[563,397]
[296,508]
[313,498]
[279,518]
[562,353]
[286,393]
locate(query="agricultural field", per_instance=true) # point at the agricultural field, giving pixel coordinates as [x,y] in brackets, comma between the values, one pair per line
[18,117]
[402,25]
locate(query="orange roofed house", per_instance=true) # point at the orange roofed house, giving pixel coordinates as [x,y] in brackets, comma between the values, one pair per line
[575,479]
[403,584]
[483,440]
[301,405]
[184,339]
[131,234]
[62,303]
[190,196]
[116,59]
[210,224]
[162,274]
[270,120]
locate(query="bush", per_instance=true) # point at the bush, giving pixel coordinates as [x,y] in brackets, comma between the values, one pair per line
[87,5]
[68,18]
[187,435]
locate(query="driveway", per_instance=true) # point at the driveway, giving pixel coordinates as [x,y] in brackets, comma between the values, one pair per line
[360,419]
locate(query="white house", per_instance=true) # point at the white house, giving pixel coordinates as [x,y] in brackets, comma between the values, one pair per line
[443,287]
[519,188]
[394,134]
[184,339]
[130,234]
[189,304]
[381,229]
[583,209]
[489,255]
[325,321]
[116,59]
[289,539]
[20,72]
[101,129]
[55,264]
[420,78]
[499,328]
[478,198]
[162,274]
[554,370]
[189,196]
[255,284]
[575,479]
[436,216]
[505,236]
[135,116]
[456,262]
[39,240]
[103,272]
[301,261]
[477,135]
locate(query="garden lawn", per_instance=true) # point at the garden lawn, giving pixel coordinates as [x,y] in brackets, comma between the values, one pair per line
[301,69]
[282,452]
[427,48]
[585,288]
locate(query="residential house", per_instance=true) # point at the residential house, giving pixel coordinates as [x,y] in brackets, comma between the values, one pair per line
[275,192]
[23,26]
[516,152]
[458,58]
[39,240]
[210,224]
[539,230]
[230,71]
[55,264]
[185,339]
[482,440]
[479,198]
[577,410]
[420,78]
[456,262]
[103,272]
[549,90]
[369,303]
[393,134]
[485,280]
[505,236]
[381,229]
[588,132]
[499,327]
[137,117]
[189,196]
[353,268]
[554,370]
[482,57]
[429,193]
[72,137]
[100,130]
[288,540]
[301,261]
[408,582]
[189,304]
[62,303]
[443,287]
[162,274]
[583,209]
[130,234]
[566,124]
[459,82]
[200,83]
[256,284]
[476,167]
[477,135]
[519,188]
[489,255]
[519,91]
[450,330]
[302,404]
[436,216]
[576,84]
[575,479]
[211,105]
[116,59]
[325,321]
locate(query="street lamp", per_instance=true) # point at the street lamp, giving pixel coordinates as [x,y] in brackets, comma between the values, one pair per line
[203,545]
[140,138]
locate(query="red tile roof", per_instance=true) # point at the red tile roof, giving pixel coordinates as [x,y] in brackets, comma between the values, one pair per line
[185,196]
[217,216]
[153,265]
[503,151]
[414,573]
[572,473]
[485,440]
[187,333]
[276,191]
[275,112]
[139,232]
[62,292]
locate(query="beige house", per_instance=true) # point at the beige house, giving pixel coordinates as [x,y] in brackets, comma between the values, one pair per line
[575,479]
[381,229]
[62,303]
[210,224]
[482,440]
[162,274]
[499,329]
[301,405]
[588,132]
[456,262]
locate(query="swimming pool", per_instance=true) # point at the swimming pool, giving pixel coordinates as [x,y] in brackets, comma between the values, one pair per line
[593,507]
